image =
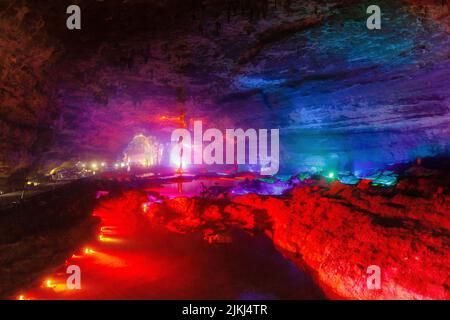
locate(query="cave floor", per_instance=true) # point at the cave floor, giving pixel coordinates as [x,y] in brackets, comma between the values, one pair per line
[186,238]
[137,258]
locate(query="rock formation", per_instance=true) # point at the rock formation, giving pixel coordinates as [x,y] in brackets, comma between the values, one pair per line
[337,231]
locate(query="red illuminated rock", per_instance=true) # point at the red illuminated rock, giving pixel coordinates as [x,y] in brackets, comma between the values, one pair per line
[340,230]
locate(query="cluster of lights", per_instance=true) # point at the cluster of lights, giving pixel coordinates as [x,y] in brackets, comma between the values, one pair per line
[51,284]
[94,166]
[121,165]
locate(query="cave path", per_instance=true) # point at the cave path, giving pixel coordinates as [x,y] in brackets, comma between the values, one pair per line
[137,259]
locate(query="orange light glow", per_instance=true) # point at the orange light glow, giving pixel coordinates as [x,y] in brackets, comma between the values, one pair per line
[50,284]
[178,119]
[88,251]
[112,240]
[21,297]
[108,230]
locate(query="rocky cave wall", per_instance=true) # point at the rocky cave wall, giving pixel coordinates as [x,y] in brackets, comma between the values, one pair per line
[337,231]
[25,109]
[338,92]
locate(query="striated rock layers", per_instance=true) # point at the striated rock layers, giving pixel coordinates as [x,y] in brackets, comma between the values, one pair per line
[338,92]
[337,231]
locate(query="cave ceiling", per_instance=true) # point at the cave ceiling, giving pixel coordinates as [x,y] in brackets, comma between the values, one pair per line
[311,69]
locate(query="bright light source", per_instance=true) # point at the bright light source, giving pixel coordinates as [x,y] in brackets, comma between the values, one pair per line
[331,175]
[88,251]
[94,166]
[21,297]
[50,284]
[109,240]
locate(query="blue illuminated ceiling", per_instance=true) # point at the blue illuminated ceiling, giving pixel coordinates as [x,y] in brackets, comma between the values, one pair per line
[340,90]
[341,95]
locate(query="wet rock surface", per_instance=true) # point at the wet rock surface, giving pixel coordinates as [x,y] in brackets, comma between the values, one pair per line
[139,256]
[337,231]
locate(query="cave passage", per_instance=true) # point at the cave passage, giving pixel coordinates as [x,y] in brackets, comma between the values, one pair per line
[135,258]
[124,121]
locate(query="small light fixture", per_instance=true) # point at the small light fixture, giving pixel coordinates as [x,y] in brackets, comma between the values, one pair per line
[88,251]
